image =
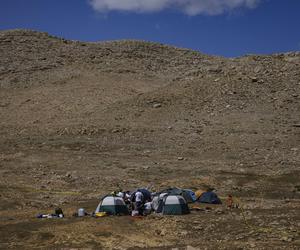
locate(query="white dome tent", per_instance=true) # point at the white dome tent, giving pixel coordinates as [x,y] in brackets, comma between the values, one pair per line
[112,205]
[173,205]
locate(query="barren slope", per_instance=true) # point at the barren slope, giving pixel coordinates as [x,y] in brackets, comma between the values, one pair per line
[79,119]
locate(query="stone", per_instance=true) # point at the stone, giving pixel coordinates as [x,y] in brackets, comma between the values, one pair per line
[156,105]
[219,211]
[198,228]
[184,233]
[192,248]
[254,79]
[162,232]
[286,239]
[257,69]
[214,69]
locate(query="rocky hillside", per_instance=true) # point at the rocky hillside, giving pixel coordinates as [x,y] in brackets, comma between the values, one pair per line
[152,95]
[30,55]
[78,120]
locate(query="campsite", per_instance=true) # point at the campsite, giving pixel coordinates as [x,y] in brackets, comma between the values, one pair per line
[82,121]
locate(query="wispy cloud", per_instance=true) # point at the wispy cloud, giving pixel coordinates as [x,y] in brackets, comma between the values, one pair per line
[189,7]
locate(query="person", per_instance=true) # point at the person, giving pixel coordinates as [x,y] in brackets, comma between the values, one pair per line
[229,202]
[147,208]
[126,197]
[59,213]
[139,202]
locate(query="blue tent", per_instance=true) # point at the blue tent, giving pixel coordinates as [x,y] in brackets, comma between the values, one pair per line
[210,198]
[191,194]
[146,193]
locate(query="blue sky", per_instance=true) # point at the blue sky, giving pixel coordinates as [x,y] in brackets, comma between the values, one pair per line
[220,27]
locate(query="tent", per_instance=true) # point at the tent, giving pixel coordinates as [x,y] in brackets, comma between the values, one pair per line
[146,193]
[112,205]
[173,205]
[156,200]
[209,197]
[187,194]
[198,193]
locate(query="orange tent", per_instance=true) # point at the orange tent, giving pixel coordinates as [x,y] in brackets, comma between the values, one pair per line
[198,193]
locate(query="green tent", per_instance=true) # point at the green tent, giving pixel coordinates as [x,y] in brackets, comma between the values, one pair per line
[173,205]
[113,206]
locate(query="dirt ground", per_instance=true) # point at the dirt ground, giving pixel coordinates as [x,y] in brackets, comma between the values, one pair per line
[78,120]
[34,181]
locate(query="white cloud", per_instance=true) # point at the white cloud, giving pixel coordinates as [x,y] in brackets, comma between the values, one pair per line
[189,7]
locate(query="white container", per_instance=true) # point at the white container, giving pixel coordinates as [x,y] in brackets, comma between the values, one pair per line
[81,212]
[134,213]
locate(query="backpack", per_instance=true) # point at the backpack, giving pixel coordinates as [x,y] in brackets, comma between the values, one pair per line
[58,211]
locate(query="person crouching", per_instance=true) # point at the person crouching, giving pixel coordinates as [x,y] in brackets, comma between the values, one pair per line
[139,202]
